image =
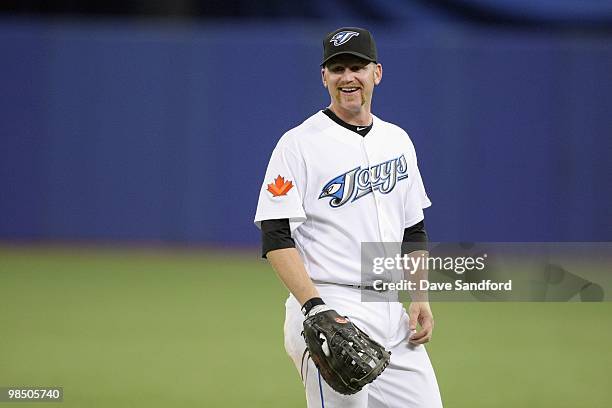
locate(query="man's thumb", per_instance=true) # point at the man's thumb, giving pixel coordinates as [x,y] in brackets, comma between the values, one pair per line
[413,321]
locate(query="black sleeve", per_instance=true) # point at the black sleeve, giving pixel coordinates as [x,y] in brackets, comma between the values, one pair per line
[415,238]
[275,234]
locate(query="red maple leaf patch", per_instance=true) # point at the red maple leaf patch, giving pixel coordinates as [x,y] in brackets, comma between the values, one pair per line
[280,187]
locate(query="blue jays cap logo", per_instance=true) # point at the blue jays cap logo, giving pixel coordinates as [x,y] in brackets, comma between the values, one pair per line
[343,37]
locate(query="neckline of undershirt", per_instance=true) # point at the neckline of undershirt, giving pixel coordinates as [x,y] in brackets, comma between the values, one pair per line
[360,130]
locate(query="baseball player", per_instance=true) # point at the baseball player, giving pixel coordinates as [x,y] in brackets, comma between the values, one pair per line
[341,178]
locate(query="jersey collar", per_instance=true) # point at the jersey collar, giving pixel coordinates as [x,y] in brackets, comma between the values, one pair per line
[360,130]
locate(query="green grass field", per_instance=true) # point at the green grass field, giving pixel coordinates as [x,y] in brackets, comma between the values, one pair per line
[193,328]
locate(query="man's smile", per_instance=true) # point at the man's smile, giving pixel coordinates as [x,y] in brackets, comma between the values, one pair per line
[349,89]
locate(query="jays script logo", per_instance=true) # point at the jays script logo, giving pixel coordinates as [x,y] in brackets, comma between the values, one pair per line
[342,37]
[359,182]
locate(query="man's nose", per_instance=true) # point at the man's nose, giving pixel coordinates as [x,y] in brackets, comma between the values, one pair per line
[348,76]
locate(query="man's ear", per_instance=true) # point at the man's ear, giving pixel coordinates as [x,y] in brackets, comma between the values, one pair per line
[323,80]
[378,74]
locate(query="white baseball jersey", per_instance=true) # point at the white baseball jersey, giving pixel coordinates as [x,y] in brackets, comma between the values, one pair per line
[339,189]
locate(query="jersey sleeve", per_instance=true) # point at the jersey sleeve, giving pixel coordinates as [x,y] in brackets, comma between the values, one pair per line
[282,191]
[416,199]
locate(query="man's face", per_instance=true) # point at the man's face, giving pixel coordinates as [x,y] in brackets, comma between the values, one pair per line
[350,81]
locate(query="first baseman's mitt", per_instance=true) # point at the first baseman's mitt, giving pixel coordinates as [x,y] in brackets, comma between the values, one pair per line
[346,357]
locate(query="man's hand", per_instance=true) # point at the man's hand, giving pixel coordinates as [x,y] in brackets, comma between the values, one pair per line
[347,358]
[420,312]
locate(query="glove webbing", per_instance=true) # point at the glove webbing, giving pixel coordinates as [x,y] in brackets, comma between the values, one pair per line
[350,356]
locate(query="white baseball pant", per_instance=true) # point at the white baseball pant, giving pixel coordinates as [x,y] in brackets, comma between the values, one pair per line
[408,382]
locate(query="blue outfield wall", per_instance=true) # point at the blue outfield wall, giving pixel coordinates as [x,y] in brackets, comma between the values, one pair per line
[141,131]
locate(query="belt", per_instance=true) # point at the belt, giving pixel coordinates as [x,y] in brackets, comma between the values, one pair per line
[348,285]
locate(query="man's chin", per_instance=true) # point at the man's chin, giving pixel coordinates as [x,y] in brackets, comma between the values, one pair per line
[352,106]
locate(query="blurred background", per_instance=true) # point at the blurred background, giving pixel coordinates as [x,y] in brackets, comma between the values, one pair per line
[134,139]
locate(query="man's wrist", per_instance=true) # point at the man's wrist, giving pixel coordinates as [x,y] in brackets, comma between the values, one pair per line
[310,303]
[420,296]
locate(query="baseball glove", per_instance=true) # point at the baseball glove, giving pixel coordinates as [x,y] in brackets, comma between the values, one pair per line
[346,357]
